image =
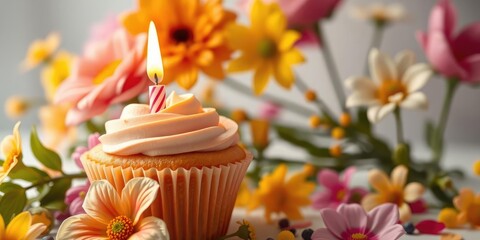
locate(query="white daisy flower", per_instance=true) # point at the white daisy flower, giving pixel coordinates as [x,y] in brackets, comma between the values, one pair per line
[395,84]
[379,12]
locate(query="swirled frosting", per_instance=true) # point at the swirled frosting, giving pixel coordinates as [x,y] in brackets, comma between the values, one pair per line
[183,126]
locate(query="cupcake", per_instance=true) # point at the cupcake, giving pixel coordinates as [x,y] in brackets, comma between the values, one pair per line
[191,151]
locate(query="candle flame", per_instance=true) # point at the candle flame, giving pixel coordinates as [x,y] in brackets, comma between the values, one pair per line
[154,57]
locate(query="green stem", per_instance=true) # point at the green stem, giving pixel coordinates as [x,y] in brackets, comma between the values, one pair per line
[331,68]
[52,180]
[452,85]
[291,106]
[398,120]
[257,171]
[302,86]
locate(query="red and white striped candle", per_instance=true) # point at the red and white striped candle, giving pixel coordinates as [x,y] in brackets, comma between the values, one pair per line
[157,98]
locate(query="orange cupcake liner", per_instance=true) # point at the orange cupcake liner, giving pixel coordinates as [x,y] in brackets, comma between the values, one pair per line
[195,203]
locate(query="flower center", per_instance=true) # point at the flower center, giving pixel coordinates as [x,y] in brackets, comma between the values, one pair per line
[182,35]
[389,88]
[106,72]
[358,236]
[267,48]
[341,194]
[120,228]
[396,197]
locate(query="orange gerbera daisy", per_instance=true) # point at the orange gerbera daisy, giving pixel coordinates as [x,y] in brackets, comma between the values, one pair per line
[190,33]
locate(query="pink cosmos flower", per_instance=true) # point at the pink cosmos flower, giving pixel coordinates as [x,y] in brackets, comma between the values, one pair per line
[269,110]
[113,215]
[92,142]
[337,191]
[301,12]
[74,198]
[453,54]
[350,221]
[111,71]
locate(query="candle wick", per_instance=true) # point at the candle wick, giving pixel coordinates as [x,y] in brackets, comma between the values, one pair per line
[156,79]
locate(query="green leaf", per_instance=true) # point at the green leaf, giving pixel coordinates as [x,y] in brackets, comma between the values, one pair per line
[47,157]
[56,205]
[9,186]
[56,193]
[30,174]
[12,203]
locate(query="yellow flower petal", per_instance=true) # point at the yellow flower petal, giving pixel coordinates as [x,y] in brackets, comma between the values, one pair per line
[275,24]
[261,77]
[284,75]
[18,227]
[372,200]
[405,212]
[293,56]
[288,39]
[243,63]
[464,199]
[379,181]
[413,191]
[399,176]
[449,217]
[238,36]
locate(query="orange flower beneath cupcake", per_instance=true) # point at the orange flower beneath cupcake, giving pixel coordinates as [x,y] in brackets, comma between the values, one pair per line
[110,72]
[190,33]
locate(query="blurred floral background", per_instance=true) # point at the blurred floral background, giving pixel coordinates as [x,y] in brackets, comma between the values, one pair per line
[21,22]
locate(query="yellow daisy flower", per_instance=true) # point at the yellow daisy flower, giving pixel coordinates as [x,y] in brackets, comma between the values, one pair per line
[266,46]
[55,72]
[21,227]
[278,195]
[11,147]
[40,51]
[393,190]
[190,33]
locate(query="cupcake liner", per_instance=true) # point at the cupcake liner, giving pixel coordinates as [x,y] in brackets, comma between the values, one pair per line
[195,203]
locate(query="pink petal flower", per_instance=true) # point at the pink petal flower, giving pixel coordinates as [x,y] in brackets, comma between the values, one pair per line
[430,227]
[269,110]
[110,72]
[354,214]
[334,222]
[451,55]
[382,216]
[105,29]
[329,179]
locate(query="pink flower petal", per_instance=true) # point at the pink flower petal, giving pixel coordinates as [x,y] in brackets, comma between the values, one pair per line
[75,207]
[393,232]
[430,227]
[354,214]
[422,39]
[472,66]
[467,42]
[324,234]
[347,175]
[334,222]
[382,216]
[441,57]
[443,18]
[323,199]
[329,179]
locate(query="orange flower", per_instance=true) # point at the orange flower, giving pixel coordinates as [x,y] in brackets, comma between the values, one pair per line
[469,206]
[110,215]
[190,34]
[393,190]
[41,51]
[52,119]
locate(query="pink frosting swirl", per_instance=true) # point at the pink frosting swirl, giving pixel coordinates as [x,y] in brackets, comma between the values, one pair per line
[183,126]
